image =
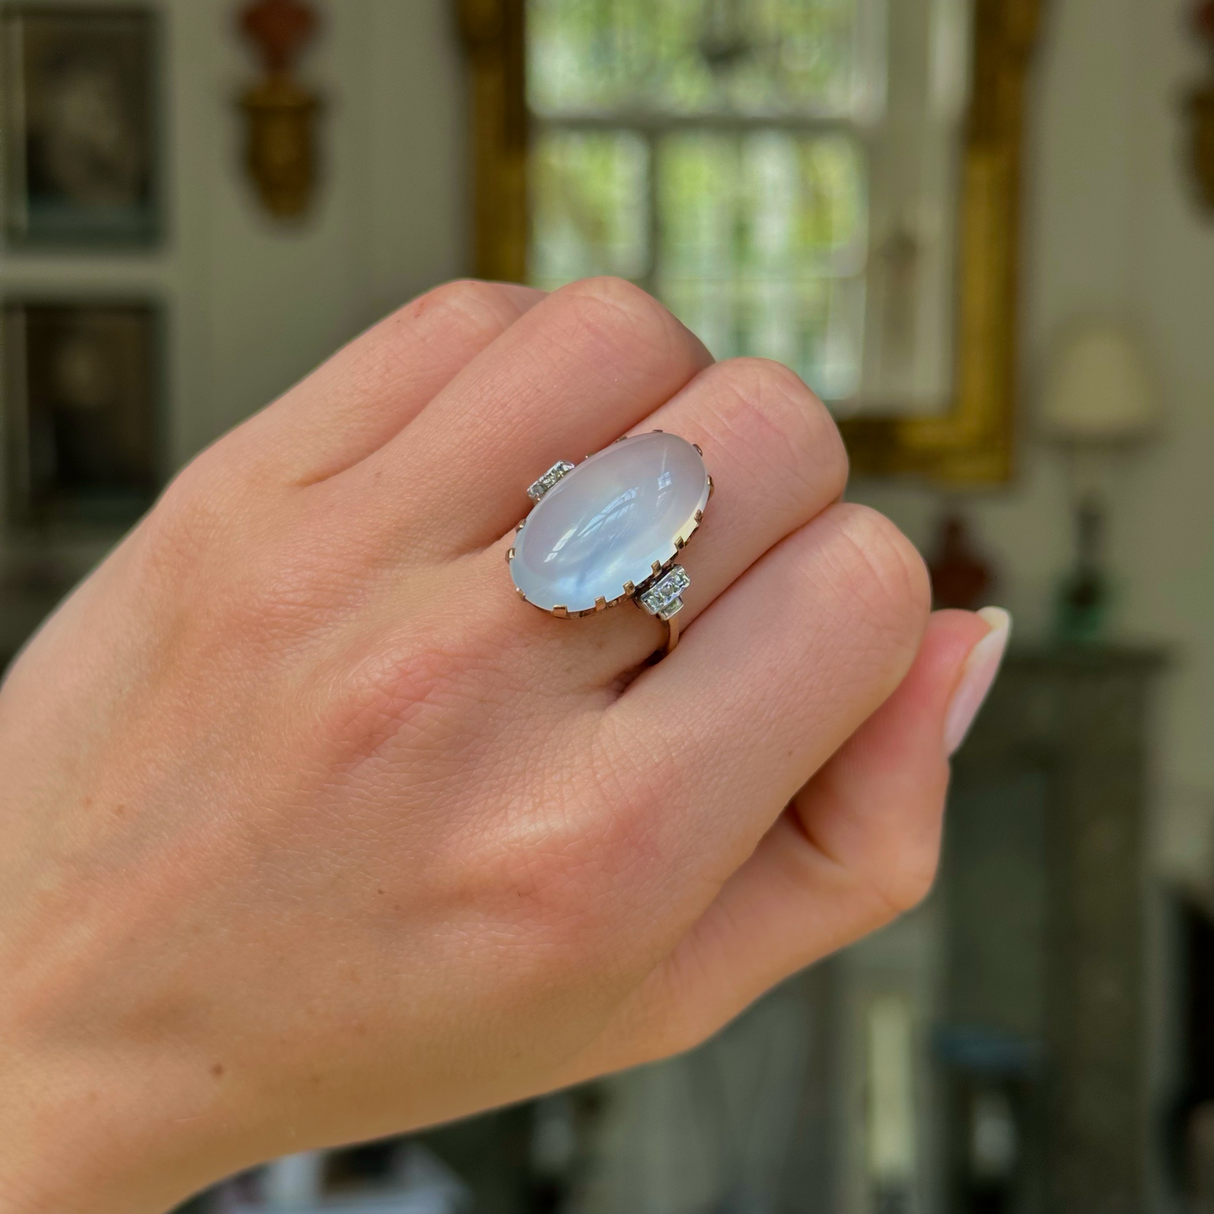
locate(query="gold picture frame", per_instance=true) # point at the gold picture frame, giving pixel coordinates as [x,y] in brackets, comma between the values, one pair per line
[969,443]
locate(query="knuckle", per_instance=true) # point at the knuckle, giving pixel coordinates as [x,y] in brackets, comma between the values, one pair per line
[881,568]
[468,303]
[618,314]
[766,404]
[191,517]
[615,293]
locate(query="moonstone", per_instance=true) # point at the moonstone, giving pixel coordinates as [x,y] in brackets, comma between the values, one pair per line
[607,522]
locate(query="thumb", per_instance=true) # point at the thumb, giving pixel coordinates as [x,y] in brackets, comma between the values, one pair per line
[858,845]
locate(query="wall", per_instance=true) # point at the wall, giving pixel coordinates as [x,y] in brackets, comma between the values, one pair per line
[261,301]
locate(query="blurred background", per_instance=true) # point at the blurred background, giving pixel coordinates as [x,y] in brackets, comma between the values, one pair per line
[983,231]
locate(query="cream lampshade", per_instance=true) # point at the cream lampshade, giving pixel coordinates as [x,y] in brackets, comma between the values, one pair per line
[1098,390]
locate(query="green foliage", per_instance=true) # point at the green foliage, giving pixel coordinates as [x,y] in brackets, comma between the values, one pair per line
[692,56]
[589,205]
[754,233]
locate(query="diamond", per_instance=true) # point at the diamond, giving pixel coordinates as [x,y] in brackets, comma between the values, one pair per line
[540,487]
[663,598]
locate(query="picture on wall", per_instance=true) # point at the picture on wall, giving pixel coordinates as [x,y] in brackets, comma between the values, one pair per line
[80,127]
[81,410]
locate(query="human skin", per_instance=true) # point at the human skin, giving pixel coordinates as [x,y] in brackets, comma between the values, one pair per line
[314,832]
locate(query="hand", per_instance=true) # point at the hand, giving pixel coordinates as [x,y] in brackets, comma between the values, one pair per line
[314,832]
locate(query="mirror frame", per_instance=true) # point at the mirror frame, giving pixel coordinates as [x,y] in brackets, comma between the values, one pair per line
[969,443]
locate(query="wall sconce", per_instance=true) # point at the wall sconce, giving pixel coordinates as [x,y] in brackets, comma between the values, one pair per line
[280,114]
[1201,113]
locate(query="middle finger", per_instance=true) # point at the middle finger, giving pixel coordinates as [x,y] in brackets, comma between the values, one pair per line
[777,461]
[571,376]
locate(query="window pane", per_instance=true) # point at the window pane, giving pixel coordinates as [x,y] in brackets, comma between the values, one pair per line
[701,56]
[589,206]
[763,248]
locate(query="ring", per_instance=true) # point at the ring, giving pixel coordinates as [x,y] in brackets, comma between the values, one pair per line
[610,530]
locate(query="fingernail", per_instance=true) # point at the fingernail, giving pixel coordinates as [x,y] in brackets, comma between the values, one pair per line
[977,675]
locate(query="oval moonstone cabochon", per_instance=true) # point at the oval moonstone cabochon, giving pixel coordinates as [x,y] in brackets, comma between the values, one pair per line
[604,524]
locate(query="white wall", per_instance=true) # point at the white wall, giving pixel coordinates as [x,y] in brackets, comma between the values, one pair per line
[263,301]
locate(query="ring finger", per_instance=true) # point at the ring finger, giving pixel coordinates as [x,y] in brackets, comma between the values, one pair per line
[775,456]
[776,459]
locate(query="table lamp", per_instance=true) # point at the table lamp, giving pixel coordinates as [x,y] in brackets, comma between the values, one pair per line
[1099,400]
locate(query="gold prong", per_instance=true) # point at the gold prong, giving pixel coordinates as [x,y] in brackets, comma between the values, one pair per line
[699,516]
[561,612]
[657,566]
[679,543]
[509,556]
[519,591]
[629,589]
[711,488]
[600,604]
[521,525]
[698,448]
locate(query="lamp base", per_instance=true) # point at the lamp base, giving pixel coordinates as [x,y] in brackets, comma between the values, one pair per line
[1082,608]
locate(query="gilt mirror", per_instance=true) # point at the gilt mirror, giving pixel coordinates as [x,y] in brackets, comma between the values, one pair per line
[830,183]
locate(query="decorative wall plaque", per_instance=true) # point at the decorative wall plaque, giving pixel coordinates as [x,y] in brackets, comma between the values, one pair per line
[280,113]
[1201,113]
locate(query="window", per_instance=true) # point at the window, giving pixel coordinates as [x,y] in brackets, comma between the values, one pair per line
[779,172]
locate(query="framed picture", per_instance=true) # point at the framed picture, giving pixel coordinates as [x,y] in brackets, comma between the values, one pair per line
[81,162]
[81,410]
